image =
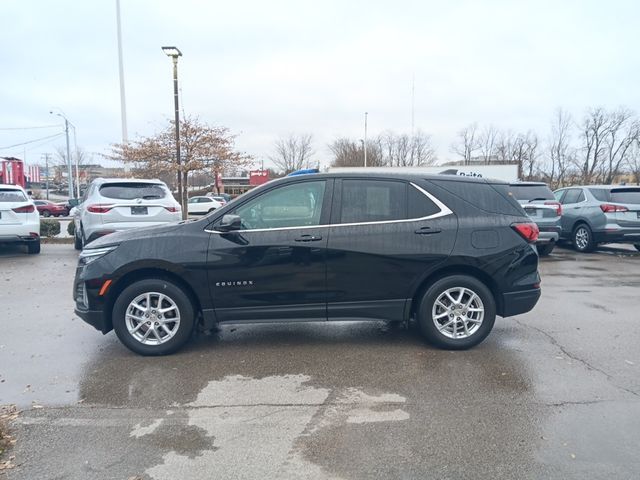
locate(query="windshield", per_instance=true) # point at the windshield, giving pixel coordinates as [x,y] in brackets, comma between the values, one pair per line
[11,195]
[131,191]
[531,192]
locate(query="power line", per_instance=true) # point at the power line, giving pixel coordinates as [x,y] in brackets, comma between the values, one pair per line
[29,128]
[31,141]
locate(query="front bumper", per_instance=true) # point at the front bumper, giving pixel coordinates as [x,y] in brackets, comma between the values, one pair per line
[95,318]
[515,303]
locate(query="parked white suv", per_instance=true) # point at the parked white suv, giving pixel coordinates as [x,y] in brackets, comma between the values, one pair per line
[113,205]
[19,218]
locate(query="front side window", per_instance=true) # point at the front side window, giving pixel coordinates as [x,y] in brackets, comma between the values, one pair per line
[294,205]
[372,201]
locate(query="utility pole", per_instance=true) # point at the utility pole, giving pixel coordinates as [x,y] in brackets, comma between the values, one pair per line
[123,104]
[413,104]
[46,162]
[365,138]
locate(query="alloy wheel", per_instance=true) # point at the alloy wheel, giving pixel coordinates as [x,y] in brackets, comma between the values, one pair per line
[458,312]
[152,318]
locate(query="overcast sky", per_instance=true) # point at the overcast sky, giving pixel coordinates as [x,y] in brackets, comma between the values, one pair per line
[269,68]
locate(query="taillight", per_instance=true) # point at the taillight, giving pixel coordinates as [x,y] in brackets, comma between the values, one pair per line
[608,208]
[528,231]
[25,209]
[99,208]
[172,209]
[557,206]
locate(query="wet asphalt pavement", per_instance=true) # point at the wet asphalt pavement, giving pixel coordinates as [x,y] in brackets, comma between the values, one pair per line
[554,393]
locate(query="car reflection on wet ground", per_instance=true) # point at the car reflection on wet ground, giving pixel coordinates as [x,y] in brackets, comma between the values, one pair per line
[550,394]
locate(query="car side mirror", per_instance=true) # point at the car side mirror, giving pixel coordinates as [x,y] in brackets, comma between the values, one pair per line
[229,223]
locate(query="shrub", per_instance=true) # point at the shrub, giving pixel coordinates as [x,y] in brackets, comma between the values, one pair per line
[49,228]
[71,228]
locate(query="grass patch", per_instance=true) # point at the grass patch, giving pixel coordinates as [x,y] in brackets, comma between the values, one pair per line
[7,414]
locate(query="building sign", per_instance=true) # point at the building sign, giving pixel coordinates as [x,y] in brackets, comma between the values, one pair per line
[258,177]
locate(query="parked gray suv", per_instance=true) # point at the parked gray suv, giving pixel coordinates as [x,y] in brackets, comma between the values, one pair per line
[596,214]
[540,205]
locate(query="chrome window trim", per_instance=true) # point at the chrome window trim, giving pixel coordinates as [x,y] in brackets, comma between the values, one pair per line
[444,211]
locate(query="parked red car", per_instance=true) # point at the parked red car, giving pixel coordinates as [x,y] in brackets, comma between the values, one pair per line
[50,209]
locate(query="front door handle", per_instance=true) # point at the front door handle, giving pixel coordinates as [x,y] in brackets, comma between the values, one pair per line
[308,238]
[428,230]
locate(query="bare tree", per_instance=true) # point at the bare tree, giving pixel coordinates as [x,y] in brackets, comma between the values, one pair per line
[559,151]
[467,143]
[350,153]
[595,129]
[623,132]
[407,150]
[488,142]
[204,149]
[633,160]
[293,152]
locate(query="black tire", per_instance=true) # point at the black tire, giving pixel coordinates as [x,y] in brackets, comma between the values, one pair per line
[46,213]
[427,322]
[211,210]
[77,242]
[544,250]
[168,289]
[582,238]
[33,247]
[637,245]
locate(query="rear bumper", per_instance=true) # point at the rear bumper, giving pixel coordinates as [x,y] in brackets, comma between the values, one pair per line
[548,235]
[515,303]
[18,238]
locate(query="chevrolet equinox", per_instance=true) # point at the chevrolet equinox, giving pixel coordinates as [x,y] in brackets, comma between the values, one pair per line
[449,252]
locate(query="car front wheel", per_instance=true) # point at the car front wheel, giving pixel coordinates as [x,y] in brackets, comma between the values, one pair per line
[153,317]
[457,312]
[583,239]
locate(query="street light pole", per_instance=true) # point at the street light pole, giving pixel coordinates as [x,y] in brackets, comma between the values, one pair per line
[174,53]
[365,138]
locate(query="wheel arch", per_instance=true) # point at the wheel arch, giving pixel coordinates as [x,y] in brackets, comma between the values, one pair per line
[147,273]
[448,271]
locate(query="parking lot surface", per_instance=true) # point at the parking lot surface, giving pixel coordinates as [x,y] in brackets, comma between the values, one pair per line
[554,393]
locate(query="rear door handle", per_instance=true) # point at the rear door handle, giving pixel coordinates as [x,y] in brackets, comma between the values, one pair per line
[427,230]
[308,238]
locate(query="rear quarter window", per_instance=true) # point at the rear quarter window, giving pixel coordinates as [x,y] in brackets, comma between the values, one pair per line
[492,198]
[131,191]
[600,194]
[531,192]
[626,195]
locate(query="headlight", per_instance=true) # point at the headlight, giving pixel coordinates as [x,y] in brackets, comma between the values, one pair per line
[89,255]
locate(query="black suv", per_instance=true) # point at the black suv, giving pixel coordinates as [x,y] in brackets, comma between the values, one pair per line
[450,252]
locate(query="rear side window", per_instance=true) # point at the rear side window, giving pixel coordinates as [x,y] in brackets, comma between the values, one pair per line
[11,195]
[531,192]
[419,205]
[600,194]
[131,191]
[373,201]
[626,195]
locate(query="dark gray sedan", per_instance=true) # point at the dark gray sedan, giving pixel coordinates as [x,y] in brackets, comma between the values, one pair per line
[596,214]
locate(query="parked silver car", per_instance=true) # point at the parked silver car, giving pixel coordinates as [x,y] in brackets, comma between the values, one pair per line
[539,203]
[596,214]
[113,205]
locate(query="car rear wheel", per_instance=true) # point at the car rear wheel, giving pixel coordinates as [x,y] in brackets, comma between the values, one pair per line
[457,312]
[544,250]
[33,247]
[77,240]
[46,213]
[153,317]
[583,238]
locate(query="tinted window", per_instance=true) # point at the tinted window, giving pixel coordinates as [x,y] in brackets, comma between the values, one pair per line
[531,192]
[572,196]
[373,201]
[626,195]
[419,204]
[131,191]
[600,194]
[10,195]
[558,195]
[289,206]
